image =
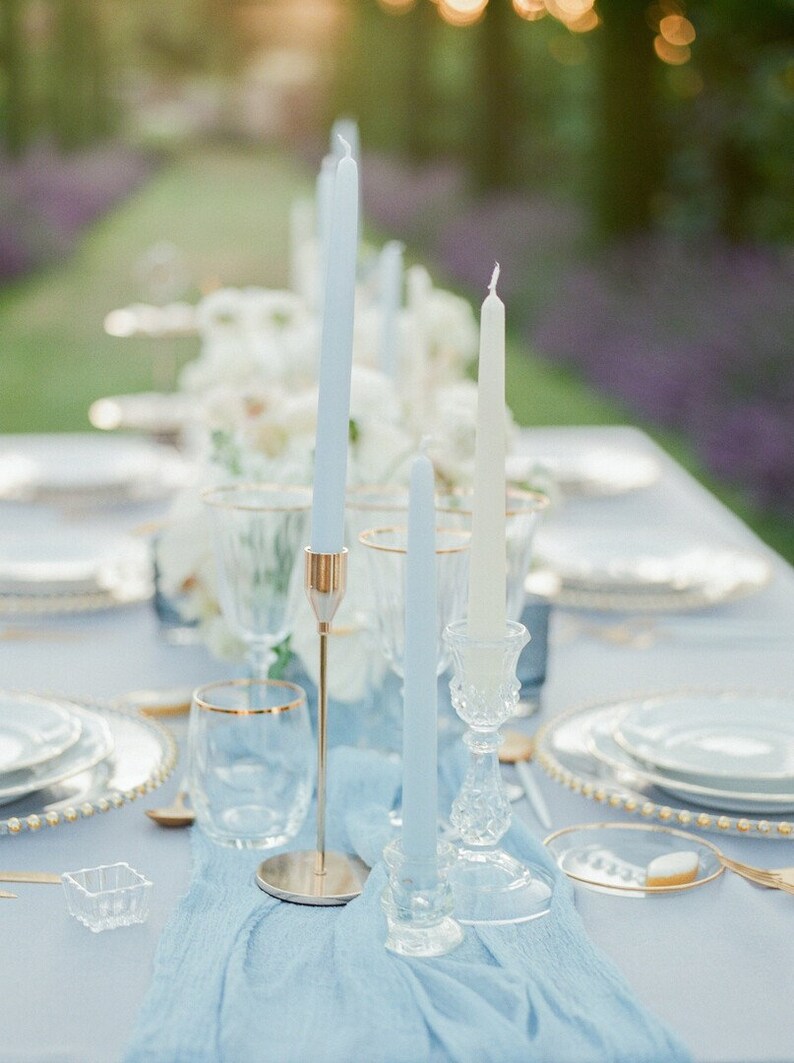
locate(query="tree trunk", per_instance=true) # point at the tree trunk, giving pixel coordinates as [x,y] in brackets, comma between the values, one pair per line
[80,102]
[629,162]
[15,123]
[500,112]
[418,102]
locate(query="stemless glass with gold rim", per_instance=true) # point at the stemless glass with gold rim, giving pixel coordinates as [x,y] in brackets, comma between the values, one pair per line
[250,761]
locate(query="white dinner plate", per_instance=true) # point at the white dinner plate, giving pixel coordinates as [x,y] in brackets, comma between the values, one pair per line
[63,466]
[644,568]
[94,744]
[62,560]
[144,754]
[563,749]
[735,741]
[33,730]
[582,472]
[601,744]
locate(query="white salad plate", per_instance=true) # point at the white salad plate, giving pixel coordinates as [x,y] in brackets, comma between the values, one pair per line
[732,740]
[33,730]
[94,744]
[576,749]
[601,744]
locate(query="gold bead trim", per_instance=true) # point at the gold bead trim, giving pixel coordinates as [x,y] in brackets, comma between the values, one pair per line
[36,821]
[632,803]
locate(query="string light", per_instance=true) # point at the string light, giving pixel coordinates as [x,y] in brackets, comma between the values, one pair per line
[397,7]
[461,12]
[674,33]
[677,30]
[674,54]
[531,10]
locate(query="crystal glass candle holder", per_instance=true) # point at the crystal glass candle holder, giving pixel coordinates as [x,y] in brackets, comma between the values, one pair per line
[489,885]
[418,903]
[103,898]
[523,510]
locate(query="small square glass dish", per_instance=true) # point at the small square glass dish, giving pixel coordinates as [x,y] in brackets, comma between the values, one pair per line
[103,898]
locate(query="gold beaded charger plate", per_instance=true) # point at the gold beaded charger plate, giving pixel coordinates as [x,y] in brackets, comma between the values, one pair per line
[74,469]
[748,797]
[564,750]
[56,570]
[666,575]
[94,744]
[143,756]
[21,605]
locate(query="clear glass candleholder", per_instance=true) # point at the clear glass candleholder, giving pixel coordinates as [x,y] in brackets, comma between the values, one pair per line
[418,903]
[490,885]
[523,510]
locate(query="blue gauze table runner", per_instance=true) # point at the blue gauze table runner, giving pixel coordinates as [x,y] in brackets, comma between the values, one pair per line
[240,976]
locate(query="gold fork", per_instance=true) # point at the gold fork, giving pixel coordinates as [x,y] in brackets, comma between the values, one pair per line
[780,878]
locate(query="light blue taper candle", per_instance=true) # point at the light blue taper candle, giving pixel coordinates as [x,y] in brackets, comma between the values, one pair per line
[336,357]
[324,204]
[420,711]
[390,277]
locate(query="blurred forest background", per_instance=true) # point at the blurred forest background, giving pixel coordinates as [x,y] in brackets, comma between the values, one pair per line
[629,162]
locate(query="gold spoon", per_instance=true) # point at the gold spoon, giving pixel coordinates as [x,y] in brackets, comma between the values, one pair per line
[175,815]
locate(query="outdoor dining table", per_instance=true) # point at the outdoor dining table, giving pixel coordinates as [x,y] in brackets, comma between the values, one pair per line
[713,963]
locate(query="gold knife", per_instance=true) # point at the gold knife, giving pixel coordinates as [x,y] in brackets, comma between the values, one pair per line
[6,894]
[29,876]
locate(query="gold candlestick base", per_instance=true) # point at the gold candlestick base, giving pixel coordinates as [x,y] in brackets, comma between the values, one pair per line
[318,877]
[293,877]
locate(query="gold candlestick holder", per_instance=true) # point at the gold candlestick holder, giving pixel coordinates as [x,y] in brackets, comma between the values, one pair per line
[316,876]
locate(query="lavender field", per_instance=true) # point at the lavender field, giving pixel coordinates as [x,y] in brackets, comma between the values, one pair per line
[694,336]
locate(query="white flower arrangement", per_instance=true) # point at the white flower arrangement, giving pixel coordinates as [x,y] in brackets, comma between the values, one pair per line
[254,384]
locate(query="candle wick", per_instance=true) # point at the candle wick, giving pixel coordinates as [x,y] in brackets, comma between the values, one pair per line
[494,279]
[346,146]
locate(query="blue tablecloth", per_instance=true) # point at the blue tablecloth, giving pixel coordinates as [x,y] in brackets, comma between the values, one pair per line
[282,982]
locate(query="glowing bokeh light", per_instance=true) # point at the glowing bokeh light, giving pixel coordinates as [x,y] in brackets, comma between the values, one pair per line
[674,54]
[461,12]
[677,30]
[397,7]
[661,9]
[585,23]
[571,9]
[531,10]
[464,7]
